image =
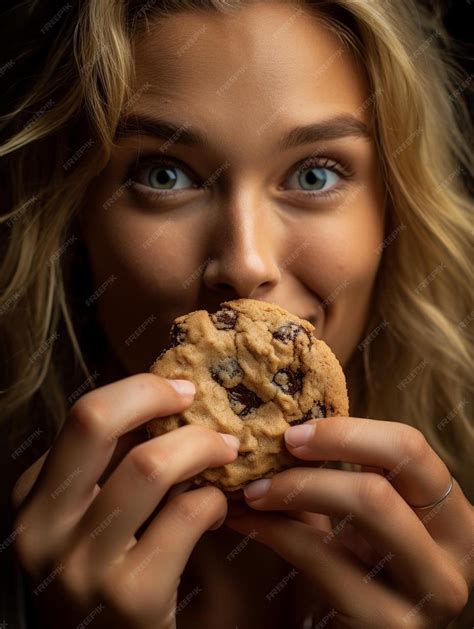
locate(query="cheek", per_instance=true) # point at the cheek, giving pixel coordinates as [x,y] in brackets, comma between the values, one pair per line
[153,284]
[340,266]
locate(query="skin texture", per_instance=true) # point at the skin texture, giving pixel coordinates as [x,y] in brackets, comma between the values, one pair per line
[243,80]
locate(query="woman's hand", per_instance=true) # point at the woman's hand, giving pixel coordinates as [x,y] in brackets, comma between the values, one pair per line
[386,564]
[76,540]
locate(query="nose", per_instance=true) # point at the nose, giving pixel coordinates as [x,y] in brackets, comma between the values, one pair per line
[243,250]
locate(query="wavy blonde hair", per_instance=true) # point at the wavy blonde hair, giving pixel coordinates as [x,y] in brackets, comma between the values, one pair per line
[414,361]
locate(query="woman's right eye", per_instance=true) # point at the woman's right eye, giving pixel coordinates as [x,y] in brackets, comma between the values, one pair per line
[162,179]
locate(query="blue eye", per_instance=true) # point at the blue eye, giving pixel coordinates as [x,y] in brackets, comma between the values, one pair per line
[165,178]
[319,177]
[316,179]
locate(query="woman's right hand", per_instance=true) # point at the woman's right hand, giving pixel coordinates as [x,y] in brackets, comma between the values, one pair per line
[76,540]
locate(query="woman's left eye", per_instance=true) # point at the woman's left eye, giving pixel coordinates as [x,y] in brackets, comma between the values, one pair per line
[318,178]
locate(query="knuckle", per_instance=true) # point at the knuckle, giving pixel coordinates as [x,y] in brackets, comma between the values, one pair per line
[198,504]
[374,492]
[89,415]
[26,549]
[17,495]
[454,597]
[186,508]
[118,594]
[150,464]
[413,443]
[72,580]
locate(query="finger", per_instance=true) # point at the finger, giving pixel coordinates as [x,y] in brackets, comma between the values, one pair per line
[161,554]
[412,466]
[339,576]
[318,520]
[142,479]
[372,505]
[77,459]
[26,481]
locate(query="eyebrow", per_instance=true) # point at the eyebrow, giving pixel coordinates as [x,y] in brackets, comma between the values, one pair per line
[343,125]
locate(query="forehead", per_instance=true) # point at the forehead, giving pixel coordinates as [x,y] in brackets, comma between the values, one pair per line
[263,64]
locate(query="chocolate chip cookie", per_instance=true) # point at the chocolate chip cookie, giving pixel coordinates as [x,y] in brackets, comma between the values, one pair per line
[258,369]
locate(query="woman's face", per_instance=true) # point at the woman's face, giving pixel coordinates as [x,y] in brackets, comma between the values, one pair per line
[244,167]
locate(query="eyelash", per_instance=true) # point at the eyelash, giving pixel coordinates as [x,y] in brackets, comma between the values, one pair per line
[339,166]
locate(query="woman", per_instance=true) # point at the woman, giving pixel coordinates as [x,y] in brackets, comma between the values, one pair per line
[173,155]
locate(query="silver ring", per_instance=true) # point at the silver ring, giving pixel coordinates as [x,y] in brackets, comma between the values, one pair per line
[443,497]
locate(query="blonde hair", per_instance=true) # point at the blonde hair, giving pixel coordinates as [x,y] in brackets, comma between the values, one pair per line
[414,360]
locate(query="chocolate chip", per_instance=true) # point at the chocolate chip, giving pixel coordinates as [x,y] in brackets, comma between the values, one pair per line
[318,410]
[242,400]
[177,334]
[224,319]
[289,381]
[289,331]
[296,422]
[226,371]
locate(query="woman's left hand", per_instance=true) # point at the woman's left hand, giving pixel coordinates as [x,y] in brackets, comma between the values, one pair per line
[386,563]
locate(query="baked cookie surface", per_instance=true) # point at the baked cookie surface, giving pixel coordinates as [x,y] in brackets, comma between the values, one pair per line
[257,369]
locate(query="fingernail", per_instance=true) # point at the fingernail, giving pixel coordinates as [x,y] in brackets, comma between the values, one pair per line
[183,387]
[257,489]
[299,435]
[230,440]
